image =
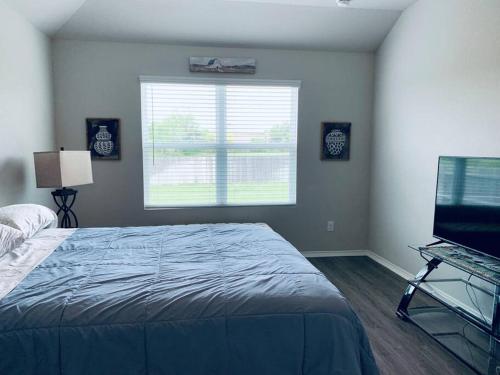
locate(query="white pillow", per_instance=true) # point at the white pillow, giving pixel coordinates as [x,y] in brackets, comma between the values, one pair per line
[10,238]
[28,218]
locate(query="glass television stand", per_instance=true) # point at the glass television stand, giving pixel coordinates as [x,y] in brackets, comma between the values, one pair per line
[472,337]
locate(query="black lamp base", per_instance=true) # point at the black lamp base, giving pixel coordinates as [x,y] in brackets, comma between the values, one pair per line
[61,197]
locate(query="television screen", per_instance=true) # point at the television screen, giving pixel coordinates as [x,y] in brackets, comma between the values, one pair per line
[468,203]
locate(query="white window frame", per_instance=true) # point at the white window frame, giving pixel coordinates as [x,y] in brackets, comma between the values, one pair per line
[220,146]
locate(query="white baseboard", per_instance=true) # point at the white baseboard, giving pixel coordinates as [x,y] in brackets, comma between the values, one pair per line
[391,267]
[361,253]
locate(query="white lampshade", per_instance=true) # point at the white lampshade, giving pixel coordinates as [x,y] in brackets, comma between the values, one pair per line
[59,169]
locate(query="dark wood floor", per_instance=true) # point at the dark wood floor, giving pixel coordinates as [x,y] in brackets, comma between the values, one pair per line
[399,347]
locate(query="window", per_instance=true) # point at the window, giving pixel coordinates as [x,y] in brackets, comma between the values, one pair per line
[219,142]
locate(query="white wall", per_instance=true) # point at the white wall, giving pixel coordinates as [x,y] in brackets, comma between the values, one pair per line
[94,79]
[437,92]
[26,107]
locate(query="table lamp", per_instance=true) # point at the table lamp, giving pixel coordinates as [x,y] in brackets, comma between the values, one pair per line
[61,169]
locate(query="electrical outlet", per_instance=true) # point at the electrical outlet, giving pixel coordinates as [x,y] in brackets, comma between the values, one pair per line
[330,226]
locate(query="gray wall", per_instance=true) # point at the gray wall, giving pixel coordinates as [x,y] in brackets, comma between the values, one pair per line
[26,107]
[94,79]
[437,92]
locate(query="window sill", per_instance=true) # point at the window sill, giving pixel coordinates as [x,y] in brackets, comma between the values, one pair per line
[156,208]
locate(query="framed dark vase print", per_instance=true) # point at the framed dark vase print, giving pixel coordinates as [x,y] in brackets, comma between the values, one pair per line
[103,138]
[335,140]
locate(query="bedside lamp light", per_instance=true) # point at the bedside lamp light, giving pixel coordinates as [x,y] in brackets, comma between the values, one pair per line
[61,169]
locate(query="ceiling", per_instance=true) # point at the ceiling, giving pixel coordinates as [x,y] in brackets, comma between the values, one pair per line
[356,4]
[295,24]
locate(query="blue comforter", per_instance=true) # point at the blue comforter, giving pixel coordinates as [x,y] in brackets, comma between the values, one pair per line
[222,299]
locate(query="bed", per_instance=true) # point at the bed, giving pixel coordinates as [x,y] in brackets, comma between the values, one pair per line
[186,299]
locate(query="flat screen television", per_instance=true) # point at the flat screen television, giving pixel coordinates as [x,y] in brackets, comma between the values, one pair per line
[467,211]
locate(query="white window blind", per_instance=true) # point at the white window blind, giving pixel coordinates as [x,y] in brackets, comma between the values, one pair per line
[219,142]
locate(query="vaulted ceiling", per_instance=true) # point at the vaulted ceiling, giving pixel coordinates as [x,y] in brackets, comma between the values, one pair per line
[301,24]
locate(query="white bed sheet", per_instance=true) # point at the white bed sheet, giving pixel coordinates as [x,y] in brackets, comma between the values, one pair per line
[16,264]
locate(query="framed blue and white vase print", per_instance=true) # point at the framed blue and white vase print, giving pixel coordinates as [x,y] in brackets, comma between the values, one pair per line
[335,140]
[103,138]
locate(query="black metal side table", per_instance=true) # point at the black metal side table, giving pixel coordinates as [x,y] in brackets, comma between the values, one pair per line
[472,337]
[65,199]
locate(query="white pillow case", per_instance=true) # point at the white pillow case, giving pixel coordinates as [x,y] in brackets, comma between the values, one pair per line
[28,218]
[10,238]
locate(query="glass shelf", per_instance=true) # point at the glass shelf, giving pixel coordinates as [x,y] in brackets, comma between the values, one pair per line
[475,318]
[457,335]
[483,266]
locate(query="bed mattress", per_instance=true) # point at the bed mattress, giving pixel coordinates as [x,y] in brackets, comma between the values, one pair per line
[195,299]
